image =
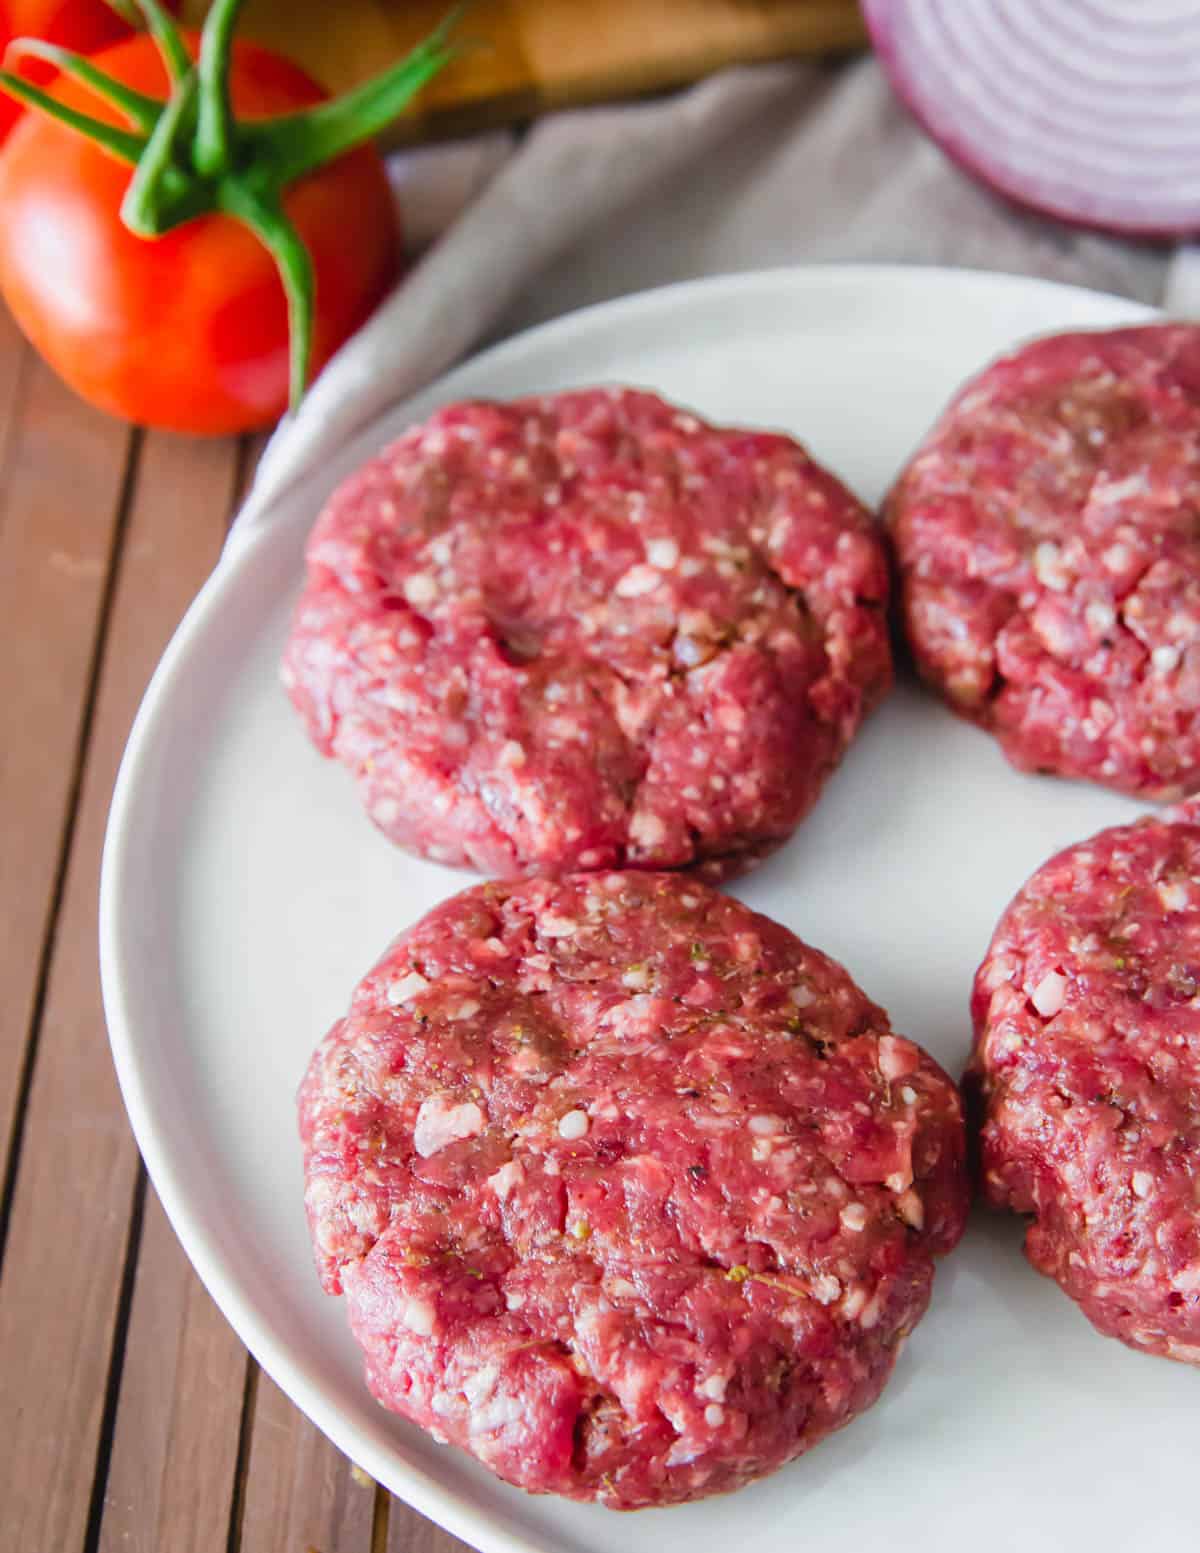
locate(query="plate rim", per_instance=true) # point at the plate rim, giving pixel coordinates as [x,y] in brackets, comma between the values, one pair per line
[390,1466]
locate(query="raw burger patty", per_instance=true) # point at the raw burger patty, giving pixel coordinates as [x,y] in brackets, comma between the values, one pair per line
[1087,1059]
[631,1194]
[588,630]
[1048,536]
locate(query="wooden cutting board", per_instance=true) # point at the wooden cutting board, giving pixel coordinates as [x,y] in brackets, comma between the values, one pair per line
[531,55]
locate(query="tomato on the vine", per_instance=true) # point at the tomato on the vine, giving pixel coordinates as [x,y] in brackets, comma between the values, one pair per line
[254,212]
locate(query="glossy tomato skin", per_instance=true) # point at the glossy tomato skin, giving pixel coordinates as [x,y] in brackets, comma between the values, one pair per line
[186,331]
[83,25]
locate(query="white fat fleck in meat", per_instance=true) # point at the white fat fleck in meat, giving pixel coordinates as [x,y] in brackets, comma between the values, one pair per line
[1050,994]
[911,1209]
[418,1316]
[803,997]
[646,830]
[826,1288]
[897,1057]
[1187,1279]
[714,1415]
[479,1387]
[406,988]
[690,652]
[854,1217]
[1142,1183]
[558,927]
[1174,895]
[1117,558]
[637,978]
[498,1414]
[420,589]
[1165,658]
[764,1126]
[662,553]
[506,1178]
[1100,616]
[1107,492]
[637,580]
[634,1016]
[714,1387]
[573,1125]
[440,1122]
[1049,567]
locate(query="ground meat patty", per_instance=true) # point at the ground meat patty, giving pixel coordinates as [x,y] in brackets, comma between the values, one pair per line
[589,630]
[630,1193]
[1087,1060]
[1048,535]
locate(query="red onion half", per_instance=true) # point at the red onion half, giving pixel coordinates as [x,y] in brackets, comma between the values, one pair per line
[1085,109]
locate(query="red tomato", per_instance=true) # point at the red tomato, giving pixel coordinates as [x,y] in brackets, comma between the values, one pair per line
[187,331]
[82,25]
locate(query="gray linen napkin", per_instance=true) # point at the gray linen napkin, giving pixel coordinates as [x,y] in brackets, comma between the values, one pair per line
[757,166]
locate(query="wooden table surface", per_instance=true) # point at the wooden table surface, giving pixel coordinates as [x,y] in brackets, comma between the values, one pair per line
[132,1420]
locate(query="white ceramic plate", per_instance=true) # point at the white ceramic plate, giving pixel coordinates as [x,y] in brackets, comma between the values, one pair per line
[244,894]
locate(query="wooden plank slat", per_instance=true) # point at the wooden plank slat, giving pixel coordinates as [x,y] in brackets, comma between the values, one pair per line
[301,1494]
[15,361]
[58,512]
[63,1274]
[535,55]
[173,1466]
[174,1455]
[409,1532]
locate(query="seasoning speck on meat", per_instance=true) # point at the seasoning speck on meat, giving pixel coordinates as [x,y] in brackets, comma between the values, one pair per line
[1048,536]
[1087,1063]
[628,1241]
[588,630]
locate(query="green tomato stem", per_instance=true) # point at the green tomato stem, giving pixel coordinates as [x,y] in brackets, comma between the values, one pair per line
[266,218]
[161,194]
[119,141]
[142,112]
[160,24]
[212,151]
[298,143]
